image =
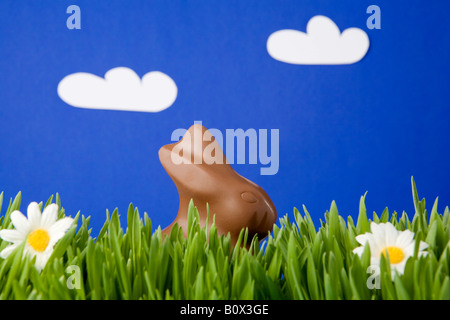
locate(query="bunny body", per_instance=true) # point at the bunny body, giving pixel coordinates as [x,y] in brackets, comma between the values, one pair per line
[201,172]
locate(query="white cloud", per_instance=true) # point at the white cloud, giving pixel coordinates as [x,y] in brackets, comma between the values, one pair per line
[121,89]
[322,43]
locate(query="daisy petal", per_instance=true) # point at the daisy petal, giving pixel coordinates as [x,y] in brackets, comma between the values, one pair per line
[62,225]
[374,261]
[34,214]
[7,251]
[423,246]
[422,254]
[56,236]
[59,229]
[390,234]
[378,234]
[19,221]
[358,251]
[42,258]
[12,235]
[405,238]
[409,249]
[400,267]
[363,238]
[49,215]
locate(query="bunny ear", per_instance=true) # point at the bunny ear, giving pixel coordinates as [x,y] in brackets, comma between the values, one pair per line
[195,159]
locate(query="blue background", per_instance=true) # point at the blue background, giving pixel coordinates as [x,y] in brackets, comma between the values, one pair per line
[344,130]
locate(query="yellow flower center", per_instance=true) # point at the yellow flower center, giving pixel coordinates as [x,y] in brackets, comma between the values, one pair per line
[396,254]
[38,240]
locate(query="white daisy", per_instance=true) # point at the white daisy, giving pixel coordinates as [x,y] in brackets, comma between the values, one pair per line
[40,231]
[386,240]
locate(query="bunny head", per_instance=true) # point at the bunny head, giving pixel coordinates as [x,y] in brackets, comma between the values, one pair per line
[200,171]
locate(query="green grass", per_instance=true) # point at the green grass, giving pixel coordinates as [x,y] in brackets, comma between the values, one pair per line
[299,260]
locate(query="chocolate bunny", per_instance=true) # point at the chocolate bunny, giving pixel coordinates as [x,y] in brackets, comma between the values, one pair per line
[201,172]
